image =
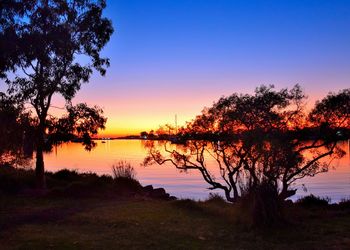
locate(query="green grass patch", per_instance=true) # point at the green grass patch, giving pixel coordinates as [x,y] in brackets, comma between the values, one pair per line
[41,223]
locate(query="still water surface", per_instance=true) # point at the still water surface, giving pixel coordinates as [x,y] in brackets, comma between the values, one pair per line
[334,184]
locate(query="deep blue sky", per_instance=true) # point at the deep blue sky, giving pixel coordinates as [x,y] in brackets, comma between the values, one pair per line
[280,42]
[178,56]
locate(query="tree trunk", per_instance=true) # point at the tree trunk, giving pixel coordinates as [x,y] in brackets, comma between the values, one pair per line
[39,168]
[286,193]
[229,198]
[266,209]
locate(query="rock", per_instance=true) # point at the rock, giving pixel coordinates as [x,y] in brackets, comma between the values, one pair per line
[288,202]
[148,188]
[159,193]
[172,198]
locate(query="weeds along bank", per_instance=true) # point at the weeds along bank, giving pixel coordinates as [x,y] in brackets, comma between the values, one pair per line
[70,183]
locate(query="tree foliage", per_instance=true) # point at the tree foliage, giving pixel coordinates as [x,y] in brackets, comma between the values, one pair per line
[81,121]
[256,140]
[15,131]
[333,111]
[51,47]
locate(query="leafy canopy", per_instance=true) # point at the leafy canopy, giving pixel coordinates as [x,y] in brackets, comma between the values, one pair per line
[52,46]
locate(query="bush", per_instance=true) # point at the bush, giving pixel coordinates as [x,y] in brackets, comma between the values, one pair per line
[70,182]
[313,201]
[13,180]
[262,205]
[66,175]
[124,176]
[123,170]
[215,198]
[344,204]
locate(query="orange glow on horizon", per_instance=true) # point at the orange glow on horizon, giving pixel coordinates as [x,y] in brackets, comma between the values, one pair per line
[132,114]
[130,122]
[134,125]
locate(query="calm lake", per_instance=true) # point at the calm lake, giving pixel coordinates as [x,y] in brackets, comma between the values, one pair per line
[334,184]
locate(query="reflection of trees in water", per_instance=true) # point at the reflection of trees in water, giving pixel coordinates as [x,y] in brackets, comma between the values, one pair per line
[265,139]
[16,133]
[349,149]
[244,165]
[18,130]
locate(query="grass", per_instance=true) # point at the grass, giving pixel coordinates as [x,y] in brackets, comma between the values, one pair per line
[85,211]
[131,223]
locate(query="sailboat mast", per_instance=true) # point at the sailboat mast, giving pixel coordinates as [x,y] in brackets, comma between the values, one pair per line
[175,123]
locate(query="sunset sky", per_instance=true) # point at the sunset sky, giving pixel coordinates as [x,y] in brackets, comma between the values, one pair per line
[176,56]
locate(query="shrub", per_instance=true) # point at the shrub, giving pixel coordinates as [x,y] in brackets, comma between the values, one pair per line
[215,198]
[124,176]
[123,170]
[344,204]
[13,180]
[71,183]
[313,201]
[262,206]
[66,175]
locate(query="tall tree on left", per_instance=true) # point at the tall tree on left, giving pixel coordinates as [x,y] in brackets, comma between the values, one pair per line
[50,47]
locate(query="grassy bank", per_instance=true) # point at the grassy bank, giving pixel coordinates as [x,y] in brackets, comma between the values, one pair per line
[61,223]
[110,219]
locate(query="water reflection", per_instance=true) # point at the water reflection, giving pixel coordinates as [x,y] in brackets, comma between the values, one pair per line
[335,183]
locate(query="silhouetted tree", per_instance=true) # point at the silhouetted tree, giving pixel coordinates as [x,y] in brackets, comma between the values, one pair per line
[53,47]
[15,130]
[80,121]
[256,142]
[144,134]
[333,110]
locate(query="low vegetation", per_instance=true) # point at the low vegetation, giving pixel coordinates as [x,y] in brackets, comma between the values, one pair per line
[134,223]
[83,210]
[124,176]
[314,201]
[67,183]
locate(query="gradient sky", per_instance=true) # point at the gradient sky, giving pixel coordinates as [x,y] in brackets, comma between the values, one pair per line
[176,56]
